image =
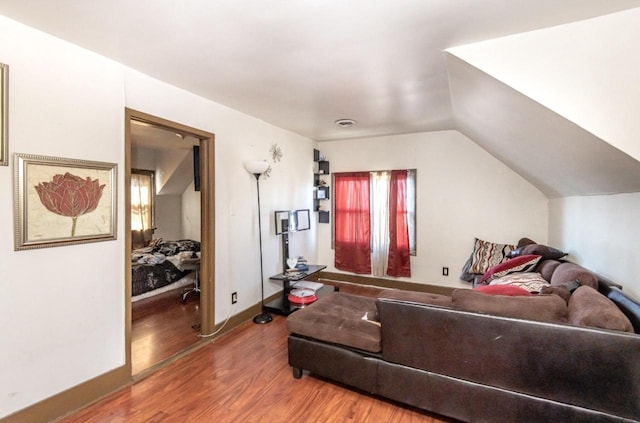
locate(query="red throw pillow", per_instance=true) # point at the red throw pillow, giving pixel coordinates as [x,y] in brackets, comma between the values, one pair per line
[517,264]
[510,290]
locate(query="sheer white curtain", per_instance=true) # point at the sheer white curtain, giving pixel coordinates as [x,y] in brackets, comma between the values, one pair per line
[379,222]
[141,201]
[411,209]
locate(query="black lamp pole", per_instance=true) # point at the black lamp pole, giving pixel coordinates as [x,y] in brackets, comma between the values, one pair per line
[263,317]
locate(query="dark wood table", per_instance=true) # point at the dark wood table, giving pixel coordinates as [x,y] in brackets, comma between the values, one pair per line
[282,305]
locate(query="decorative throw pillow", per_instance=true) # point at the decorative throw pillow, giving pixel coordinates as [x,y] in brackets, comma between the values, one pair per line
[538,249]
[541,308]
[509,290]
[465,275]
[487,254]
[588,307]
[516,264]
[525,241]
[531,281]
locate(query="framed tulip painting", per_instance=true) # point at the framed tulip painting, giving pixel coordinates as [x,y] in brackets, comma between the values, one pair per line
[63,201]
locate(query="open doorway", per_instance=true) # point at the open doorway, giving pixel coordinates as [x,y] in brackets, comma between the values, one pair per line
[176,227]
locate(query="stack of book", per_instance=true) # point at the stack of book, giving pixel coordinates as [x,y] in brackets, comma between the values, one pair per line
[302,264]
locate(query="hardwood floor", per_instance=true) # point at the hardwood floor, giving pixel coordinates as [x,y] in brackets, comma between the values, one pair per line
[242,376]
[161,326]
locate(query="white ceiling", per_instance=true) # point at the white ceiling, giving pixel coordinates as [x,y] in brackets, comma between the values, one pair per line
[303,64]
[145,135]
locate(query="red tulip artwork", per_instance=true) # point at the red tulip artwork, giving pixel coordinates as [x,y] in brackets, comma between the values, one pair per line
[70,195]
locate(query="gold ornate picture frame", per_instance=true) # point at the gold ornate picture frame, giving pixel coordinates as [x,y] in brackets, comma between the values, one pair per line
[4,114]
[62,201]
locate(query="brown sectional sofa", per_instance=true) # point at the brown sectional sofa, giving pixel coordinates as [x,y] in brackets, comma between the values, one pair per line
[483,358]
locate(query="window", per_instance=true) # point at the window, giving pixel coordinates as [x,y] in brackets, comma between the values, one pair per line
[374,225]
[142,200]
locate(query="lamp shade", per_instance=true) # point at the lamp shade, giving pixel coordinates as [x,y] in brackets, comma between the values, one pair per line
[256,166]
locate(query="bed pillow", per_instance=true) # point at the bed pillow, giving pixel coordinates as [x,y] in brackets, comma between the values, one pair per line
[488,254]
[531,281]
[516,264]
[541,308]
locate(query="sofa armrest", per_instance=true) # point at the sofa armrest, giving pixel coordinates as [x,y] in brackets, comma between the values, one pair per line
[628,305]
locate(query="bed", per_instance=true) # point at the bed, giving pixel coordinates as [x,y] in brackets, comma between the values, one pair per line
[158,267]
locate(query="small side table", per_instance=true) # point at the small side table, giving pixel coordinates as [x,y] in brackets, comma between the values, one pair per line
[282,305]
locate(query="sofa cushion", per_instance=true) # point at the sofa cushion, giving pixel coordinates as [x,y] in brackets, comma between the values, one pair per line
[588,307]
[531,281]
[546,267]
[542,308]
[569,272]
[561,291]
[516,264]
[487,254]
[416,297]
[339,318]
[542,250]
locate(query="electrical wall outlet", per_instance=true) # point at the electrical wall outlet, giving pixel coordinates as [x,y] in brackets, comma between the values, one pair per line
[445,271]
[234,297]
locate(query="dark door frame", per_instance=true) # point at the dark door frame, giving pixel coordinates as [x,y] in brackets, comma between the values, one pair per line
[207,220]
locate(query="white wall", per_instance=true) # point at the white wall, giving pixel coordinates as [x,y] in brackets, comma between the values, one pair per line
[189,202]
[462,193]
[586,71]
[65,311]
[238,138]
[143,158]
[169,218]
[168,208]
[62,315]
[600,233]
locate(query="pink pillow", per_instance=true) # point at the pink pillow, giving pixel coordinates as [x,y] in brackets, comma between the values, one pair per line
[510,290]
[516,264]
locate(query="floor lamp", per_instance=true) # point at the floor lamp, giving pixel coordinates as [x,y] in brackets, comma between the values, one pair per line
[258,167]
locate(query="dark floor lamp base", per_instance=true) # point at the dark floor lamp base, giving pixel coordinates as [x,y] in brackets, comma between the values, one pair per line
[262,318]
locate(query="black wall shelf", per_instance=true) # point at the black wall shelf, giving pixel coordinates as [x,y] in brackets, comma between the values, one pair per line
[321,191]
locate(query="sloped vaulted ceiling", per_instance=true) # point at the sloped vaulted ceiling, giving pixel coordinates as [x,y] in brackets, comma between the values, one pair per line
[557,156]
[537,100]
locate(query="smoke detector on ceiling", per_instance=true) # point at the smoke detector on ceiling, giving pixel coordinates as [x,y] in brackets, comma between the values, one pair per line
[345,123]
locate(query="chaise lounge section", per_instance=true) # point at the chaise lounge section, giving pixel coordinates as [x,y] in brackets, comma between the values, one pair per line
[539,358]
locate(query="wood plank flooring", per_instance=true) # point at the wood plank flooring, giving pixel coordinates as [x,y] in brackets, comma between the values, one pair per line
[161,326]
[242,376]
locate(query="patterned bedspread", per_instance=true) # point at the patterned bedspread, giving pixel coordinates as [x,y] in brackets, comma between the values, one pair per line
[159,265]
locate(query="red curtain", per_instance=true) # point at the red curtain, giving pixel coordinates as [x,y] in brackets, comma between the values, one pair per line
[399,254]
[352,222]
